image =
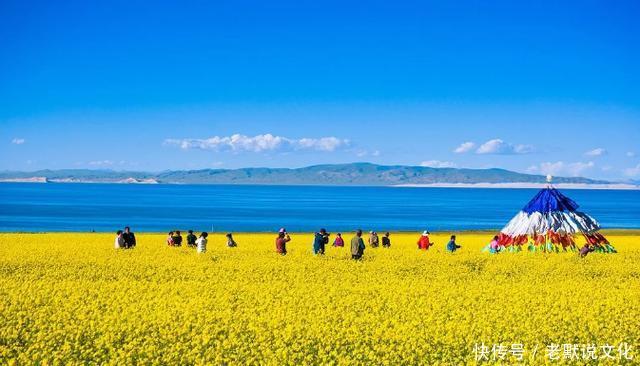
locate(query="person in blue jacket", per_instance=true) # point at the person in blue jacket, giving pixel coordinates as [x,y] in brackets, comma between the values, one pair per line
[451,245]
[321,238]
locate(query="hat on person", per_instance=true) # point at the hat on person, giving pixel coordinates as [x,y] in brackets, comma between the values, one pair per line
[425,233]
[323,231]
[282,230]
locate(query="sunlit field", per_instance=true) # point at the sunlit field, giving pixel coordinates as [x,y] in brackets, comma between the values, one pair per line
[73,298]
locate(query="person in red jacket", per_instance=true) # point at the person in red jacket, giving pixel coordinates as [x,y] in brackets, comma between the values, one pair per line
[423,242]
[281,241]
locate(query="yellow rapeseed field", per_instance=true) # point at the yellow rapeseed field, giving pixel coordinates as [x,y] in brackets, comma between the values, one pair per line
[74,299]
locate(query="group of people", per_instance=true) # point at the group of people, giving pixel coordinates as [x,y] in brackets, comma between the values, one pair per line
[174,239]
[321,239]
[125,239]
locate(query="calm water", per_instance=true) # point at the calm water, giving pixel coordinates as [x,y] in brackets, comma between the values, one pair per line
[106,207]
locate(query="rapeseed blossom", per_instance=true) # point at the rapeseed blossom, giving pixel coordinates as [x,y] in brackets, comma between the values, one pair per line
[73,298]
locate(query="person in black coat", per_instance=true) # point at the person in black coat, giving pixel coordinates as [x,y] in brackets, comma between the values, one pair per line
[320,239]
[191,239]
[177,238]
[129,238]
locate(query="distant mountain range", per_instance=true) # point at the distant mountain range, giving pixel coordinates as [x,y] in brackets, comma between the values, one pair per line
[337,174]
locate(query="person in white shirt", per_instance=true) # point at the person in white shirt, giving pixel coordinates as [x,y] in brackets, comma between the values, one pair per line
[201,243]
[119,243]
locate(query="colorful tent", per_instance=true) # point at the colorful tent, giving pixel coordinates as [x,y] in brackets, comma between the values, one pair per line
[550,222]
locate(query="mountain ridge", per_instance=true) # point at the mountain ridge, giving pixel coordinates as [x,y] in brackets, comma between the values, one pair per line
[322,174]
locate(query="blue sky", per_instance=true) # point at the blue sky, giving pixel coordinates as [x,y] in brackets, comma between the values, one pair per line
[536,87]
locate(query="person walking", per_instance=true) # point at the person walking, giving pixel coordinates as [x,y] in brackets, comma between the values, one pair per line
[320,239]
[129,238]
[281,241]
[357,246]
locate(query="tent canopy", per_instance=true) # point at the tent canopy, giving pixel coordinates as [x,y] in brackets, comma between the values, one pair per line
[548,200]
[551,218]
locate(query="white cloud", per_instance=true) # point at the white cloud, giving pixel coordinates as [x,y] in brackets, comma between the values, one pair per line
[438,164]
[631,154]
[321,144]
[498,146]
[259,143]
[464,147]
[575,169]
[101,163]
[18,141]
[633,172]
[596,152]
[363,153]
[561,168]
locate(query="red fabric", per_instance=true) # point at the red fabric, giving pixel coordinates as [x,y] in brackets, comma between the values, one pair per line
[539,240]
[596,239]
[424,243]
[565,240]
[506,240]
[281,245]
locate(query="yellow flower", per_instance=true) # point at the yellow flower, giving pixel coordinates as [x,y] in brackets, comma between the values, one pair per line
[74,299]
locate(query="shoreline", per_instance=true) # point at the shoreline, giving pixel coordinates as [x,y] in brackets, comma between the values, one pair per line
[613,186]
[131,181]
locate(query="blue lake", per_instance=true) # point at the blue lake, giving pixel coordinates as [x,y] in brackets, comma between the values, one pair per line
[107,207]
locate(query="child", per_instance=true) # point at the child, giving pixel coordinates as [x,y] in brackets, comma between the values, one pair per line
[230,242]
[170,239]
[202,243]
